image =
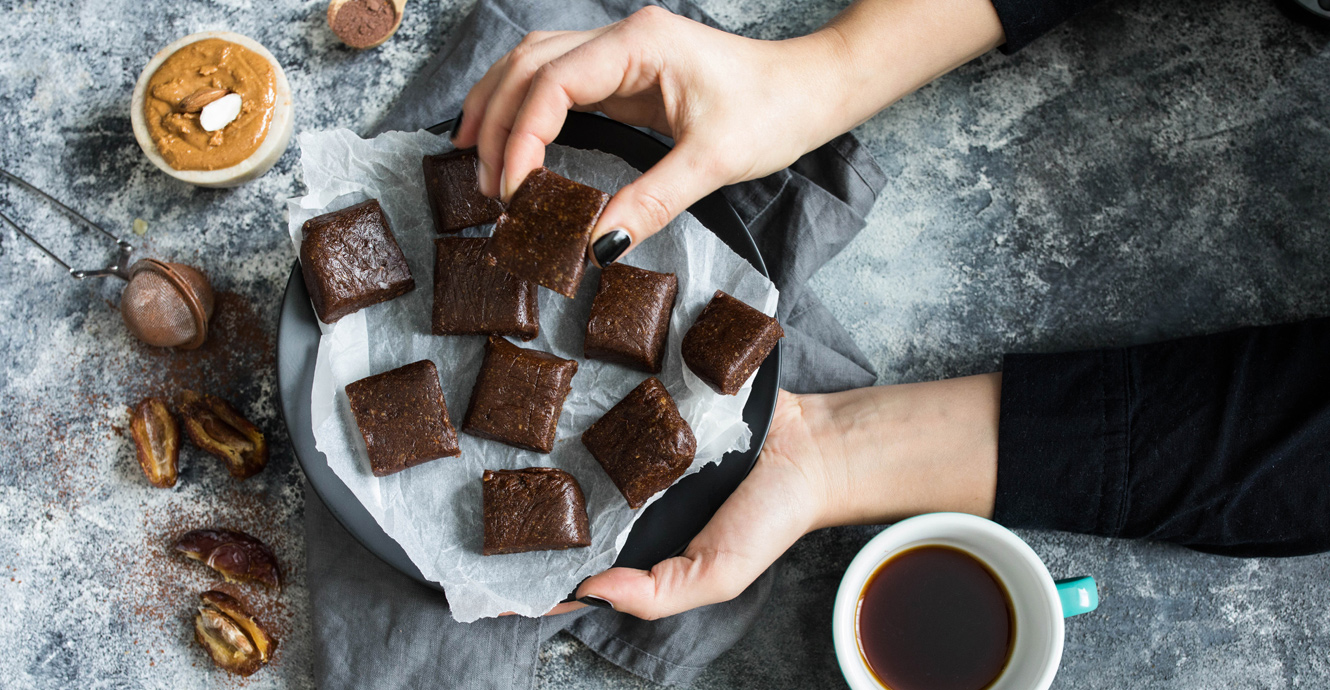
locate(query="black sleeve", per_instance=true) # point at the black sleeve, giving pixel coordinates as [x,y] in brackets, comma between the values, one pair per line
[1025,20]
[1220,443]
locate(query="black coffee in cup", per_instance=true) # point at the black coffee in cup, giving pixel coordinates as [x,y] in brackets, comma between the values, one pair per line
[935,618]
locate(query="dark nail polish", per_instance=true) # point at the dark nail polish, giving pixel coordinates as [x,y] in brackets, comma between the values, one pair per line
[597,602]
[610,246]
[457,126]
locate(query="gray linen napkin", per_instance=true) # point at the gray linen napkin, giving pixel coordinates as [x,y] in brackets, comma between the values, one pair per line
[376,628]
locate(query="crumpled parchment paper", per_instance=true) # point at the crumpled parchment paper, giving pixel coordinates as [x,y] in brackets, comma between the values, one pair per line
[434,510]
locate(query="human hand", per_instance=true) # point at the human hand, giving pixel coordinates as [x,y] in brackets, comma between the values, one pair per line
[737,109]
[865,456]
[783,498]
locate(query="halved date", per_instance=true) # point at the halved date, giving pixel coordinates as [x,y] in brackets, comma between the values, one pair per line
[236,555]
[232,636]
[218,429]
[156,441]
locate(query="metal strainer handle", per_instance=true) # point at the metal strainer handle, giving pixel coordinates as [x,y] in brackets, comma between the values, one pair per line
[119,269]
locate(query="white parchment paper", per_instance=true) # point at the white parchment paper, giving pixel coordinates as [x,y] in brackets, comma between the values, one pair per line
[434,510]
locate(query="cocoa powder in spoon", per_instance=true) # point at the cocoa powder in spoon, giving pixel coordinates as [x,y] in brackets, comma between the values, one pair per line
[363,23]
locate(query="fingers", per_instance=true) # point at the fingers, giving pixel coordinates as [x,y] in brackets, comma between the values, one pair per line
[491,106]
[689,172]
[475,102]
[521,104]
[673,586]
[758,522]
[478,98]
[584,76]
[565,607]
[568,606]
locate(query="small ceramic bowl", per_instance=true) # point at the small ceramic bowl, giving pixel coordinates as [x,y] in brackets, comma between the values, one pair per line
[263,158]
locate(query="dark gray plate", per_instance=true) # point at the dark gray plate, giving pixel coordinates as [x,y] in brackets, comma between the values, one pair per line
[668,524]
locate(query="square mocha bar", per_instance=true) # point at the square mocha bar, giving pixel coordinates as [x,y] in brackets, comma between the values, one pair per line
[630,317]
[350,260]
[728,342]
[473,296]
[542,236]
[403,418]
[533,509]
[642,442]
[518,396]
[453,192]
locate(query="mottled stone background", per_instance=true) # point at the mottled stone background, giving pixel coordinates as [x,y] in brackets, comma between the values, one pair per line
[1152,169]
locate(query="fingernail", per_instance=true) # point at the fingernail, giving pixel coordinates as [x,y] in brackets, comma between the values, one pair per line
[611,246]
[503,186]
[457,126]
[595,601]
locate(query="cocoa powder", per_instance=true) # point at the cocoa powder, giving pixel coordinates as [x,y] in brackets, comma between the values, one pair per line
[239,344]
[363,23]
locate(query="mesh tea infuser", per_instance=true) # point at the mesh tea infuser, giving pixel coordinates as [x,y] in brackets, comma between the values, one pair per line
[164,304]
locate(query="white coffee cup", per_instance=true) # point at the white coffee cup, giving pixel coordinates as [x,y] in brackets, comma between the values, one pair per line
[1039,604]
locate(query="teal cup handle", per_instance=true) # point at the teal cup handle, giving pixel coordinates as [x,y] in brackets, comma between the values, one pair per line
[1078,594]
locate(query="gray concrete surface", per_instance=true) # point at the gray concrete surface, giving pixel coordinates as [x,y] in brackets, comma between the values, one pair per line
[1152,169]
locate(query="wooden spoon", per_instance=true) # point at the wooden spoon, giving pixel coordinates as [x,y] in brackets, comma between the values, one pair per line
[335,6]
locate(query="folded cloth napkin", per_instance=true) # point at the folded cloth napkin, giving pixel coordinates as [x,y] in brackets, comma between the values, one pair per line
[376,628]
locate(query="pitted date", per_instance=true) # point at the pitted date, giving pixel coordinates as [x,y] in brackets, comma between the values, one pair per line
[232,636]
[156,441]
[236,555]
[218,429]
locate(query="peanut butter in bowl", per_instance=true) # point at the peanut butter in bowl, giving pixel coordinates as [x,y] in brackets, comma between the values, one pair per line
[213,109]
[196,76]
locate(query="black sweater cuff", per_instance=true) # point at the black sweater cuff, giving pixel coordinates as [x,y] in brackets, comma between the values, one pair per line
[1220,443]
[1062,445]
[1025,20]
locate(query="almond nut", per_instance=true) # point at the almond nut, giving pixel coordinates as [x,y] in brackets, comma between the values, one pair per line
[194,102]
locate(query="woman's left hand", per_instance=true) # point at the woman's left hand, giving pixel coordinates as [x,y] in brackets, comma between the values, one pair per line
[866,456]
[780,501]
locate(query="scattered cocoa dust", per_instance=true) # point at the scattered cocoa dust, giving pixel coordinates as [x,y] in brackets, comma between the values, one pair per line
[238,345]
[161,586]
[47,453]
[56,445]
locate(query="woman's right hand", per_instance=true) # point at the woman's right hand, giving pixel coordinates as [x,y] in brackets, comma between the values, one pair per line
[737,108]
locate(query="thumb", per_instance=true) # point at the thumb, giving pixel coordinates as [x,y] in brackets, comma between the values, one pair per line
[767,513]
[639,210]
[673,585]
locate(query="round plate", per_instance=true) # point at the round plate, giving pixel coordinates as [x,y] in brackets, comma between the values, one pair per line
[668,524]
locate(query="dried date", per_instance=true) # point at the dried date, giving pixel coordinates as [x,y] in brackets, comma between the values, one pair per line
[236,555]
[232,636]
[218,429]
[156,441]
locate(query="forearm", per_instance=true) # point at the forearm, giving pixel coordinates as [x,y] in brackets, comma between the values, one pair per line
[890,452]
[878,51]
